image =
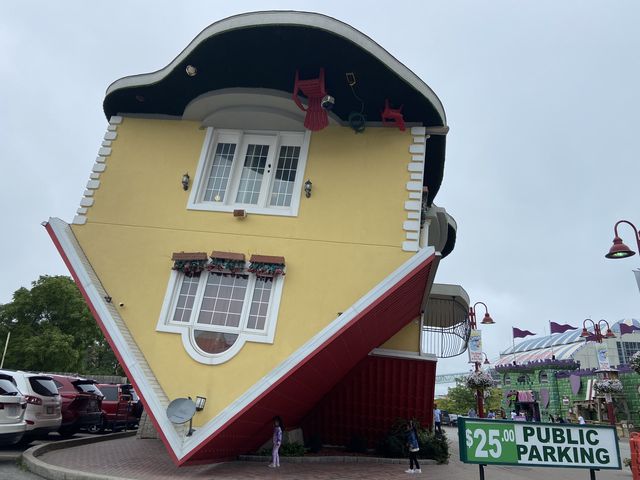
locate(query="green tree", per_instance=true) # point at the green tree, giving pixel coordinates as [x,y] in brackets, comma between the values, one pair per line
[53,330]
[460,399]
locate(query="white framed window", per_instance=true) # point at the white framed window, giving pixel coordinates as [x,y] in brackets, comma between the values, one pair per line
[217,312]
[260,172]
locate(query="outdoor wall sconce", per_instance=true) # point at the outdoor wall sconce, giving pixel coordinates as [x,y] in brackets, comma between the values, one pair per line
[200,401]
[328,102]
[307,188]
[185,181]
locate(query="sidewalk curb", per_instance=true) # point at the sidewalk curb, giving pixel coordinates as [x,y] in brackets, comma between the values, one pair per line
[33,464]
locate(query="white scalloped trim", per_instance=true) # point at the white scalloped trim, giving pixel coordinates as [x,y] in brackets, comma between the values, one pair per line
[100,166]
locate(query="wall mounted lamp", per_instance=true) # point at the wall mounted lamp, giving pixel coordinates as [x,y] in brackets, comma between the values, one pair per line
[307,188]
[185,181]
[191,70]
[200,402]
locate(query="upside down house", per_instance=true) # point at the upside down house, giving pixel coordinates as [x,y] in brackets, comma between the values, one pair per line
[259,230]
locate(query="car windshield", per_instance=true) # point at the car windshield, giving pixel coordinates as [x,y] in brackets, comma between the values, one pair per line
[43,386]
[7,387]
[87,387]
[110,392]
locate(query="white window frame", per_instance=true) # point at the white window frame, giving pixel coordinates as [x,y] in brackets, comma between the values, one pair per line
[186,329]
[228,204]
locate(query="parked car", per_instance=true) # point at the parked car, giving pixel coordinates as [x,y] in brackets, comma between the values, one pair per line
[12,408]
[43,413]
[450,419]
[119,409]
[81,404]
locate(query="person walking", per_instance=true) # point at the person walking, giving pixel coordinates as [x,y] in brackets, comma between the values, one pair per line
[412,445]
[277,441]
[437,419]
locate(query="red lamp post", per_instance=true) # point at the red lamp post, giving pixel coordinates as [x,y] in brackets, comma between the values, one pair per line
[487,320]
[619,249]
[597,337]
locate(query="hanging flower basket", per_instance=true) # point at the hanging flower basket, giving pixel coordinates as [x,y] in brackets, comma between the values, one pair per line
[635,362]
[263,269]
[479,380]
[608,385]
[189,267]
[225,265]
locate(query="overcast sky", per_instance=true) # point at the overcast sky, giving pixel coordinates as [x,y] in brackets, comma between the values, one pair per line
[542,97]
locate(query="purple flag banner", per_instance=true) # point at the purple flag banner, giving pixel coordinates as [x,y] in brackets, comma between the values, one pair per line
[560,328]
[544,397]
[574,381]
[517,333]
[624,328]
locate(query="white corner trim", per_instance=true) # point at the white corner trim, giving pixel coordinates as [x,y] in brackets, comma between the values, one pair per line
[142,374]
[387,352]
[98,167]
[414,187]
[417,148]
[412,205]
[410,246]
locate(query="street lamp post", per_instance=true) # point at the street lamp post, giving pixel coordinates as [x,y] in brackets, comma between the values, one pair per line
[598,336]
[487,320]
[619,249]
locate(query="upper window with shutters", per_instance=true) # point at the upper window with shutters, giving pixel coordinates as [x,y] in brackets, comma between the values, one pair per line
[260,172]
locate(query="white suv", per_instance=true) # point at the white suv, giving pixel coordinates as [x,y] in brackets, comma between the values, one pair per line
[12,409]
[44,412]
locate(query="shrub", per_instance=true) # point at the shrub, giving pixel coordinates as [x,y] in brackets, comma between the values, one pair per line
[314,443]
[293,449]
[435,447]
[357,444]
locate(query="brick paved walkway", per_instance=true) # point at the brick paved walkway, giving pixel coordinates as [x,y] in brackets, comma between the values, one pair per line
[137,459]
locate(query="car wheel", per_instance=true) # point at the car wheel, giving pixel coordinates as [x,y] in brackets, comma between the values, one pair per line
[67,432]
[98,427]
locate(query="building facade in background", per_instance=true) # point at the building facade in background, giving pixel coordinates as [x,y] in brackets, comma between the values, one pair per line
[555,376]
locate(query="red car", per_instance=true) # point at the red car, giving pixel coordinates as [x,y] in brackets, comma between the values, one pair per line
[81,403]
[121,407]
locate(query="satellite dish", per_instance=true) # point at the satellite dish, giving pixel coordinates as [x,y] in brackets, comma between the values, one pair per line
[181,410]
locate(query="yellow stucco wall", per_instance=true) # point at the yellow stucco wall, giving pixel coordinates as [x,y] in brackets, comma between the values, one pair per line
[346,238]
[407,339]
